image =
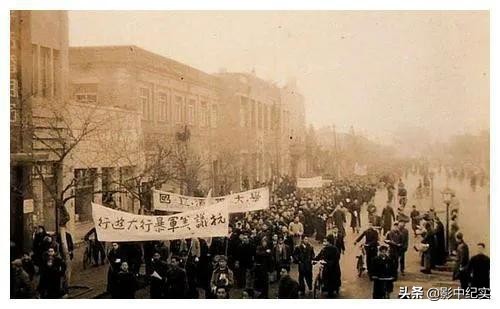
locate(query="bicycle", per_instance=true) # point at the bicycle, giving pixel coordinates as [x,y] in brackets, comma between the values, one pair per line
[360,264]
[318,280]
[87,254]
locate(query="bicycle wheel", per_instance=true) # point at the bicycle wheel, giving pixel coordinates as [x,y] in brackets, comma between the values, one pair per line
[86,258]
[316,289]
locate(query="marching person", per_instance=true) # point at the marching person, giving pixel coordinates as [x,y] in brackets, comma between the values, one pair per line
[263,262]
[21,286]
[371,243]
[222,276]
[51,274]
[405,239]
[176,285]
[331,273]
[126,283]
[387,218]
[288,288]
[415,219]
[395,242]
[460,271]
[115,258]
[479,269]
[282,256]
[304,255]
[296,230]
[383,274]
[158,277]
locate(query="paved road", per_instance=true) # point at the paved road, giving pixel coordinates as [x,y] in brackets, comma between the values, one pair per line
[474,222]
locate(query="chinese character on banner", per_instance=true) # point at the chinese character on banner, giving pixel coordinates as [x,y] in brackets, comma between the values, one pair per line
[239,199]
[132,223]
[255,196]
[217,219]
[119,224]
[145,225]
[103,222]
[184,222]
[164,198]
[159,225]
[172,222]
[200,221]
[403,292]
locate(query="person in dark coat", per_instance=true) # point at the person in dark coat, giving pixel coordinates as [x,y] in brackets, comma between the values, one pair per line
[28,265]
[115,259]
[288,288]
[263,262]
[405,237]
[371,243]
[339,219]
[460,271]
[244,258]
[158,277]
[479,269]
[331,271]
[320,227]
[20,285]
[440,254]
[176,285]
[282,256]
[51,274]
[387,219]
[415,219]
[338,240]
[126,283]
[304,255]
[395,241]
[38,245]
[383,275]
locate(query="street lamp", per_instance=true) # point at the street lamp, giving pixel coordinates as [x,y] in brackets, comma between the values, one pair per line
[447,194]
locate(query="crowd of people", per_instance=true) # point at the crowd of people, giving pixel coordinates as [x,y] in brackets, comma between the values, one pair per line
[262,246]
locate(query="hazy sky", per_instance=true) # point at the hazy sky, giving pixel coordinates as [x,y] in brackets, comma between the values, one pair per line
[377,71]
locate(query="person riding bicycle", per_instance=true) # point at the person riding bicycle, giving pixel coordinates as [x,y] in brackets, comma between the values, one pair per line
[330,254]
[383,274]
[371,242]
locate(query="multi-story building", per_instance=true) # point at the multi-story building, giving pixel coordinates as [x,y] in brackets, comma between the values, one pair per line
[38,67]
[171,97]
[265,125]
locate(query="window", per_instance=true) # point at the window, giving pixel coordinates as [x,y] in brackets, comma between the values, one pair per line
[34,78]
[204,114]
[13,64]
[144,99]
[45,71]
[243,112]
[214,116]
[259,115]
[85,93]
[253,113]
[266,117]
[163,106]
[14,88]
[13,115]
[178,109]
[190,111]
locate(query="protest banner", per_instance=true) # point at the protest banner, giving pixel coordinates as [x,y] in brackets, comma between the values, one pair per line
[313,182]
[115,225]
[251,200]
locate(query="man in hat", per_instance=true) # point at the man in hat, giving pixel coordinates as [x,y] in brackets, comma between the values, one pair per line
[395,241]
[415,219]
[387,218]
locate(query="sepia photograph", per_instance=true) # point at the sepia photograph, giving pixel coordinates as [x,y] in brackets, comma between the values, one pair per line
[258,154]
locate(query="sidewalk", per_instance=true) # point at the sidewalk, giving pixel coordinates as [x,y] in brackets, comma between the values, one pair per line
[88,283]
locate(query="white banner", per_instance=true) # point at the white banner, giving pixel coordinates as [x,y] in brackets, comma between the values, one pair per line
[313,182]
[251,200]
[115,225]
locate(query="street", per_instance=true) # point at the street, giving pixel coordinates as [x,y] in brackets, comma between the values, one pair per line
[473,207]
